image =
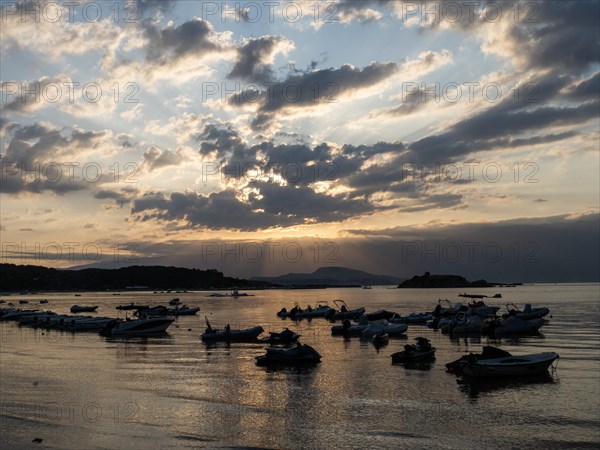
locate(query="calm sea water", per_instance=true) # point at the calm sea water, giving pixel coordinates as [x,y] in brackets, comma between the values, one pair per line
[77,391]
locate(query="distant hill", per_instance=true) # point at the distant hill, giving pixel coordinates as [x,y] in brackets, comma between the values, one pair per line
[331,276]
[37,278]
[443,281]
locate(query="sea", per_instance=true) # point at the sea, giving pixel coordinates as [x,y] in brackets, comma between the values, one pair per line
[82,391]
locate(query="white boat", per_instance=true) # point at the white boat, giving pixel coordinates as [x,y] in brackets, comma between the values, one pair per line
[353,329]
[137,327]
[391,329]
[516,326]
[528,312]
[510,366]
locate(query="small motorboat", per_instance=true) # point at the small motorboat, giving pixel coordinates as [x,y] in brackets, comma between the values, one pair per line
[488,352]
[513,326]
[382,314]
[450,311]
[465,325]
[392,329]
[298,355]
[420,351]
[137,327]
[284,337]
[80,309]
[347,328]
[413,318]
[228,335]
[380,339]
[174,302]
[131,307]
[185,310]
[43,302]
[510,366]
[528,312]
[345,312]
[320,310]
[23,302]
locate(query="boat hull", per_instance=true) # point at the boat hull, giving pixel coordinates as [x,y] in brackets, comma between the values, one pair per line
[512,366]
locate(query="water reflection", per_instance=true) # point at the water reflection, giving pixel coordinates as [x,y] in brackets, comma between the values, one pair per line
[475,386]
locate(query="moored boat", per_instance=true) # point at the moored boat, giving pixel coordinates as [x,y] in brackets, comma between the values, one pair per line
[510,366]
[228,335]
[79,308]
[421,350]
[298,355]
[284,337]
[137,327]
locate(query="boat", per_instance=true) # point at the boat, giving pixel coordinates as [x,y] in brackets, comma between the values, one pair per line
[43,302]
[368,286]
[298,355]
[512,326]
[381,314]
[510,366]
[420,351]
[468,324]
[345,312]
[174,302]
[488,352]
[413,318]
[137,327]
[347,328]
[228,335]
[321,310]
[132,306]
[392,329]
[75,324]
[78,308]
[234,293]
[185,310]
[380,339]
[465,295]
[23,302]
[528,312]
[451,310]
[284,337]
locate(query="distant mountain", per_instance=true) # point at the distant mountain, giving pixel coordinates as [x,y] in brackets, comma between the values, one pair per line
[16,278]
[331,276]
[444,281]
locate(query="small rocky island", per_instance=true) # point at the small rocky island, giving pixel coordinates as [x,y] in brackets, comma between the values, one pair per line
[428,281]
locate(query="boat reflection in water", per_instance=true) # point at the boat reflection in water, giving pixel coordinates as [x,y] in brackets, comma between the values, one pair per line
[474,386]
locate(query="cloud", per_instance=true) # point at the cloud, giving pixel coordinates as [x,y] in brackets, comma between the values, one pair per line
[155,158]
[255,57]
[42,158]
[311,89]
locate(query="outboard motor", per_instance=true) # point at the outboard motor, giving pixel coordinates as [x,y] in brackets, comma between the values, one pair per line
[106,331]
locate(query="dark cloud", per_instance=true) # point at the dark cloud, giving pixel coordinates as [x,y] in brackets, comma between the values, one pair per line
[166,45]
[155,158]
[121,198]
[253,58]
[274,206]
[310,89]
[40,158]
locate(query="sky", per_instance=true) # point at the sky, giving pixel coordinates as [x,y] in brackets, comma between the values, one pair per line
[261,138]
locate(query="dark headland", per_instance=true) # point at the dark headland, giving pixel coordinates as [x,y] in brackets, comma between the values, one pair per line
[38,278]
[428,281]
